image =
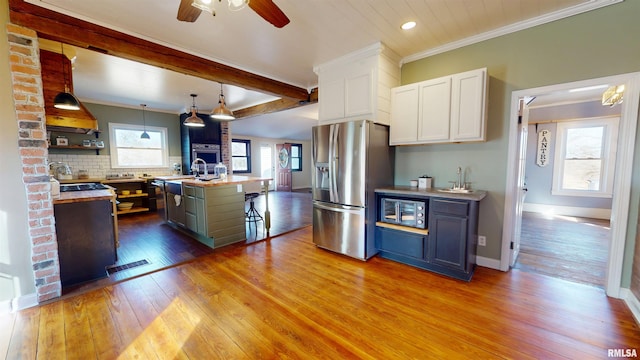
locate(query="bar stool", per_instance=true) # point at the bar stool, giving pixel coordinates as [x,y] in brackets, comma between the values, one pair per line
[252,215]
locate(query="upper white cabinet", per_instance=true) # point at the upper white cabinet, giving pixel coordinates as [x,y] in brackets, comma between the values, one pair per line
[447,109]
[358,86]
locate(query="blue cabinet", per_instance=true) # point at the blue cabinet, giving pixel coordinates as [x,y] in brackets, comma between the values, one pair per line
[447,247]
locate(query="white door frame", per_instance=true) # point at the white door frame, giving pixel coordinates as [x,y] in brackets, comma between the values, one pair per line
[622,182]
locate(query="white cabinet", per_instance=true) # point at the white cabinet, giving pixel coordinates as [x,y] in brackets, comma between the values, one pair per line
[447,109]
[358,86]
[404,114]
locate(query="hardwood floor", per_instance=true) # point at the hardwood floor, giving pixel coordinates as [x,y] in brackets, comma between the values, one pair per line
[285,298]
[145,236]
[574,249]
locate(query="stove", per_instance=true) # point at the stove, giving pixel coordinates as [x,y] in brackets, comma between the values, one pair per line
[82,187]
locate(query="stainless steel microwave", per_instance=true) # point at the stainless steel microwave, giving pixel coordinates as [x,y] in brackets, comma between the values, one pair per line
[404,212]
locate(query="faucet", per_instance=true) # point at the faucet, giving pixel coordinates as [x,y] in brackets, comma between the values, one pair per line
[196,170]
[460,183]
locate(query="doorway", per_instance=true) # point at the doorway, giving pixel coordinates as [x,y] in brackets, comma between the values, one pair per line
[570,153]
[266,163]
[516,188]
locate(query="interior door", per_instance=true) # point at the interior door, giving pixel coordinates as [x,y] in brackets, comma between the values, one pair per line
[283,167]
[521,185]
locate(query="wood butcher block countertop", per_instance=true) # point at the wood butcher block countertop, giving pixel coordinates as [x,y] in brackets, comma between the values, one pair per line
[80,196]
[231,180]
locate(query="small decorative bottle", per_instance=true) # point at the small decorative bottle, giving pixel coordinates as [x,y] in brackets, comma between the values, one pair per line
[220,171]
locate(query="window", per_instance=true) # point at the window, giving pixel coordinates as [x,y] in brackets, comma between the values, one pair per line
[584,159]
[129,151]
[296,157]
[241,155]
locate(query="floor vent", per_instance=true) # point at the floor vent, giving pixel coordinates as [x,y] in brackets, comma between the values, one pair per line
[115,269]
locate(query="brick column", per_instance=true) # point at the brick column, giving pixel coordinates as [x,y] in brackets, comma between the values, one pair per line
[225,148]
[24,58]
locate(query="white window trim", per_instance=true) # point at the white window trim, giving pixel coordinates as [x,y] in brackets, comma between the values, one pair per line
[610,145]
[113,147]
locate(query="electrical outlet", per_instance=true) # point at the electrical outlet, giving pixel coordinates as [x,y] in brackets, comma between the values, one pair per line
[482,240]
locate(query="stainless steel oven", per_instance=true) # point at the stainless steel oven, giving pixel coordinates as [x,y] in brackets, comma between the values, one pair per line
[404,212]
[210,153]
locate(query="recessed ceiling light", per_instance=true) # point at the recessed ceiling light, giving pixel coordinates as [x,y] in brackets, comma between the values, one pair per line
[408,25]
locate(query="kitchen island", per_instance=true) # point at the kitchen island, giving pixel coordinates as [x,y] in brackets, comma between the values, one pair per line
[86,231]
[212,211]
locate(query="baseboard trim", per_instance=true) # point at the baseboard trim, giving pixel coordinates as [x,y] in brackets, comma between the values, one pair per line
[592,213]
[19,303]
[488,262]
[632,302]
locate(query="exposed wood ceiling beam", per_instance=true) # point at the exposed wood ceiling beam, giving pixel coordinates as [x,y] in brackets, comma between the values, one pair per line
[275,106]
[55,26]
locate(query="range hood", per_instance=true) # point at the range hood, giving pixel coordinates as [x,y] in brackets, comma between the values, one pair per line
[55,66]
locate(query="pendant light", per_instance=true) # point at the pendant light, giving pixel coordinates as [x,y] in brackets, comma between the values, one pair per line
[222,112]
[144,135]
[194,120]
[65,100]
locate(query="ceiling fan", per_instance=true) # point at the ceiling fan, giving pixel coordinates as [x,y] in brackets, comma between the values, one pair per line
[190,10]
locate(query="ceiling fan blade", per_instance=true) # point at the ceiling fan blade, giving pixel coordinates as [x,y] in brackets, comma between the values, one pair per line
[270,12]
[186,12]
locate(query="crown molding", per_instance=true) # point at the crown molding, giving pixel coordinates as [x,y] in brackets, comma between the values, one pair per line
[523,25]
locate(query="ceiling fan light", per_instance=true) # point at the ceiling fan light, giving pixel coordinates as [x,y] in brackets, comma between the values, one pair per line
[236,5]
[204,5]
[67,101]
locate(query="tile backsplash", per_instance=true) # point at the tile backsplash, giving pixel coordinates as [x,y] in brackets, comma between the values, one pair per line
[98,166]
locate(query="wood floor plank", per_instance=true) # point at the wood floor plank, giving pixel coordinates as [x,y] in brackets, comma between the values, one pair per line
[137,344]
[286,298]
[24,339]
[160,334]
[8,321]
[357,315]
[51,337]
[575,249]
[77,330]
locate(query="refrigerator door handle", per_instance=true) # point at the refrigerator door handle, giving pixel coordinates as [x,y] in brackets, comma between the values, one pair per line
[333,158]
[341,208]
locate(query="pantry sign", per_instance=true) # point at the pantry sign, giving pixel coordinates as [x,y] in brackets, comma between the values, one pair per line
[544,139]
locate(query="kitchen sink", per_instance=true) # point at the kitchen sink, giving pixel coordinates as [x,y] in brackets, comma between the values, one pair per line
[82,187]
[456,191]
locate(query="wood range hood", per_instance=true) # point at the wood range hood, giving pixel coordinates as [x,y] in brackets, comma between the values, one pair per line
[55,67]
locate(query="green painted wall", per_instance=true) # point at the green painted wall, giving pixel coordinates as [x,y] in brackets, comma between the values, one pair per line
[114,114]
[599,43]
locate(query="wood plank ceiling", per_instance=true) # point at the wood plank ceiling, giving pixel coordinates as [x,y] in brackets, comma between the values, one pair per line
[241,49]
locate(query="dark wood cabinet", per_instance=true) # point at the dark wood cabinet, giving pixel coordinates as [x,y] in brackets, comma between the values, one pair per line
[447,246]
[86,240]
[449,227]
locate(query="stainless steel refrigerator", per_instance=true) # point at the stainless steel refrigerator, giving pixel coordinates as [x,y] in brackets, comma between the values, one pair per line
[350,160]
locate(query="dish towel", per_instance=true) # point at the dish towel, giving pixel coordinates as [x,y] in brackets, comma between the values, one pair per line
[177,199]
